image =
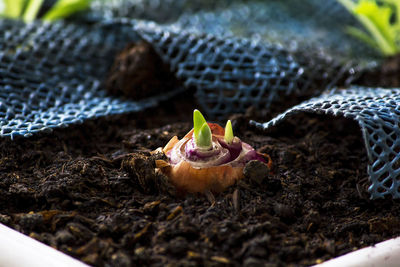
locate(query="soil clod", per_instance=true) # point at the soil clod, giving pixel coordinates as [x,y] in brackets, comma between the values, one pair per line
[138,72]
[256,171]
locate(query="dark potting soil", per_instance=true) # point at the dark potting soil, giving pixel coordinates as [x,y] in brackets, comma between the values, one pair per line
[91,191]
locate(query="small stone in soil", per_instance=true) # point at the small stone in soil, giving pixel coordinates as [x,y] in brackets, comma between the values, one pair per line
[91,258]
[253,262]
[5,219]
[256,171]
[64,237]
[30,220]
[284,211]
[79,231]
[143,172]
[312,220]
[120,259]
[178,246]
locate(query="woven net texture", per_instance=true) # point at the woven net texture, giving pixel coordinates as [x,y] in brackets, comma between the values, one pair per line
[377,111]
[51,75]
[235,54]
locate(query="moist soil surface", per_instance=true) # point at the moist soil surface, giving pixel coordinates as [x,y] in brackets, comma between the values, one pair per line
[91,191]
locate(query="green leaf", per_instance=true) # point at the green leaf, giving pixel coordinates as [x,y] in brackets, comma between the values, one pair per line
[13,8]
[228,132]
[348,4]
[32,10]
[356,32]
[198,121]
[396,5]
[29,9]
[204,139]
[65,8]
[378,21]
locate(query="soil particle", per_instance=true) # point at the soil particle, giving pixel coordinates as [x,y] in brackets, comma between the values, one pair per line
[79,231]
[64,237]
[120,259]
[312,220]
[30,221]
[254,262]
[5,219]
[143,172]
[256,171]
[284,212]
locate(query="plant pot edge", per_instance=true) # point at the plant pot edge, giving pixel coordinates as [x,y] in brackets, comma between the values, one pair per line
[386,253]
[17,249]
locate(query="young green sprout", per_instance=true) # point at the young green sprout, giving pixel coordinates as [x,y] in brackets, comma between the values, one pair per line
[204,140]
[228,132]
[198,121]
[202,132]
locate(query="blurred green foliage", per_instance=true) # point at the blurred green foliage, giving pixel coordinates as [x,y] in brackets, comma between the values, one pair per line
[28,9]
[381,20]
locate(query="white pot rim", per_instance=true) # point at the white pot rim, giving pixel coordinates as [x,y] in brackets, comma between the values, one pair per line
[19,250]
[386,253]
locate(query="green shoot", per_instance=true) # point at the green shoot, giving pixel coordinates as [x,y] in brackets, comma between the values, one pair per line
[13,8]
[65,8]
[204,139]
[198,121]
[381,20]
[28,9]
[228,132]
[32,9]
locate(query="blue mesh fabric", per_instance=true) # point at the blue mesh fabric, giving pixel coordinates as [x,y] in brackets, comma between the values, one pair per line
[231,74]
[51,75]
[377,111]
